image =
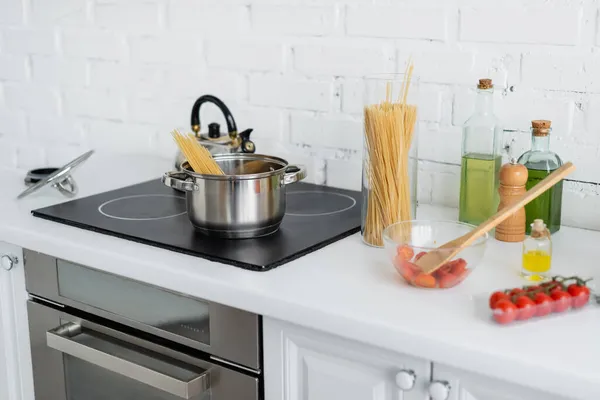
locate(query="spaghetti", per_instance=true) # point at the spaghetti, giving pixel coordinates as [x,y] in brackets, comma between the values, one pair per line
[200,159]
[389,128]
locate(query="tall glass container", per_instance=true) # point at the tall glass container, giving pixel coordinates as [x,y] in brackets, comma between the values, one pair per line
[481,159]
[389,180]
[540,162]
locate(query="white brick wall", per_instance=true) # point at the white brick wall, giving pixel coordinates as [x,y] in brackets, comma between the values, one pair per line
[120,74]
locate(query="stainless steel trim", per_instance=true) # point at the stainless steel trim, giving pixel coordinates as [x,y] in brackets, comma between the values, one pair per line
[177,180]
[43,300]
[60,339]
[234,333]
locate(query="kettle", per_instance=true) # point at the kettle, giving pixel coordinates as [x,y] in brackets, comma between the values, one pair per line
[215,141]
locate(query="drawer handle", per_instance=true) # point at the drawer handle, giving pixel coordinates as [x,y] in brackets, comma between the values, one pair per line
[439,390]
[62,339]
[405,380]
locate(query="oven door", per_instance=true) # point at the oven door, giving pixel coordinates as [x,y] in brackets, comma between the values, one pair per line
[76,359]
[228,333]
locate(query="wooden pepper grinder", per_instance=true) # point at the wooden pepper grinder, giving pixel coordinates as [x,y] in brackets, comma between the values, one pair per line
[513,177]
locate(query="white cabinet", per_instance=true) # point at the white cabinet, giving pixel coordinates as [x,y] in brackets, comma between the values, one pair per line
[301,364]
[16,380]
[470,386]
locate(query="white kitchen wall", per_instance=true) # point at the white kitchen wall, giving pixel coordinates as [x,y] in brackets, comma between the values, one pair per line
[118,75]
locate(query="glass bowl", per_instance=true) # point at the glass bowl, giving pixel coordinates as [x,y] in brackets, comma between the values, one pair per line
[405,242]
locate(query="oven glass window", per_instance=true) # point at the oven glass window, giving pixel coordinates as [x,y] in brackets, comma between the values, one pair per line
[146,304]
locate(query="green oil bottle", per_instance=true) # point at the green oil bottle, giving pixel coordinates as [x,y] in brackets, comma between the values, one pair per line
[481,159]
[540,163]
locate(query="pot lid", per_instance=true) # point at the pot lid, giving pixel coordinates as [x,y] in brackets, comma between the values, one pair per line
[57,176]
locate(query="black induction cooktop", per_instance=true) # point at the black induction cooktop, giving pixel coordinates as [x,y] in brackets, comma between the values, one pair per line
[154,214]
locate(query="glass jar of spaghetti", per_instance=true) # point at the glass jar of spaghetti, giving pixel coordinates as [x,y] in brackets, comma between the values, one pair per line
[389,179]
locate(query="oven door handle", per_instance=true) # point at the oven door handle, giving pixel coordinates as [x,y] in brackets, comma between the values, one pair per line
[62,339]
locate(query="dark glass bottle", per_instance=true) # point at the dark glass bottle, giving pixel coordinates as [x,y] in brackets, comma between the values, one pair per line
[540,162]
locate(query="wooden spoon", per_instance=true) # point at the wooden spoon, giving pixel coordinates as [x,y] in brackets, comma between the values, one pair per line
[440,256]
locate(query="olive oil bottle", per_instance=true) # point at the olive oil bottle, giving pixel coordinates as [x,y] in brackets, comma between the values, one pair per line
[540,162]
[537,252]
[479,187]
[481,159]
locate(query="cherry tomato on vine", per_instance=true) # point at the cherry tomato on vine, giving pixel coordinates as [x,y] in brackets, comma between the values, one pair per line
[497,296]
[543,304]
[553,285]
[526,308]
[534,288]
[580,295]
[515,292]
[562,301]
[505,312]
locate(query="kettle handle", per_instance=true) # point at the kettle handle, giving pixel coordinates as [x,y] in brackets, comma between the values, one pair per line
[208,98]
[177,180]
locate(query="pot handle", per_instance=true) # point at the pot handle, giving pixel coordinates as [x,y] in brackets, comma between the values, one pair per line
[294,173]
[177,180]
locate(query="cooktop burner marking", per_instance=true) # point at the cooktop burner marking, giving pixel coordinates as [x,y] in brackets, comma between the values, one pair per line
[169,208]
[350,201]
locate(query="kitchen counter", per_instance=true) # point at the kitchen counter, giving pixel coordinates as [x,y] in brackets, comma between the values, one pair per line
[347,289]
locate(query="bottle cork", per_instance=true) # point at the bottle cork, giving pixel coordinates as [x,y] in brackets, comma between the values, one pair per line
[539,229]
[540,127]
[485,84]
[513,177]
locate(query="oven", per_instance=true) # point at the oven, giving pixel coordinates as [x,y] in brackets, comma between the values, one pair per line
[95,335]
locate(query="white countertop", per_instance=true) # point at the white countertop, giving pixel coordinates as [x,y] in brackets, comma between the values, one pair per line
[347,288]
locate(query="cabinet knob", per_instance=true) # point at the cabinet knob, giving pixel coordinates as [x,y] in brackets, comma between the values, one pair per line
[405,379]
[439,390]
[8,262]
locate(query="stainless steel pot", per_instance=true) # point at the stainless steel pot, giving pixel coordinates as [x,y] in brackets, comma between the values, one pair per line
[248,201]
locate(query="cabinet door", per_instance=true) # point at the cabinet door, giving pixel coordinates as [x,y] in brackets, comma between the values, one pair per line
[16,378]
[302,364]
[465,385]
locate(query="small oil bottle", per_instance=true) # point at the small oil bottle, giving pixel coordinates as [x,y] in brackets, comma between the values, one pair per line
[537,252]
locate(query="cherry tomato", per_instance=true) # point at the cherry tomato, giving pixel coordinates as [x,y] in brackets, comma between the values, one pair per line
[448,280]
[533,289]
[580,295]
[504,312]
[553,285]
[515,292]
[458,267]
[407,269]
[562,301]
[526,308]
[425,280]
[405,252]
[445,269]
[419,255]
[543,304]
[497,296]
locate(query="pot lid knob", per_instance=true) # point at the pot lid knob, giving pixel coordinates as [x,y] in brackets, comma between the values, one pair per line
[214,130]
